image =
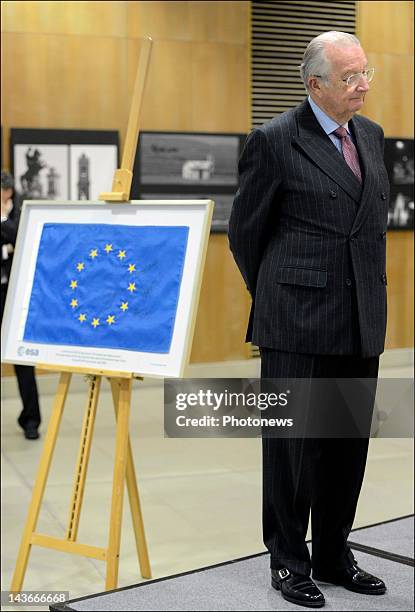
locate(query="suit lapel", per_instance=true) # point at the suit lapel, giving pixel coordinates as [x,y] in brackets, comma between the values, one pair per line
[315,143]
[369,177]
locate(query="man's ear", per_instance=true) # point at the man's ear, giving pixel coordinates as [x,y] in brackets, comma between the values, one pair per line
[314,85]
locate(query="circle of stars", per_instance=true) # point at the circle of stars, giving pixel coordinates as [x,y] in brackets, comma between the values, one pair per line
[80,267]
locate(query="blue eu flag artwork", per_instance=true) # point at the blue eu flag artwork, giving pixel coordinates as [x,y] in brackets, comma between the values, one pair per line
[107,286]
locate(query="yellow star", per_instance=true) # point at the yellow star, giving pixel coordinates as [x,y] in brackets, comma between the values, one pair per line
[74,303]
[110,319]
[95,323]
[131,287]
[93,253]
[121,254]
[82,318]
[74,284]
[131,268]
[108,248]
[124,306]
[80,267]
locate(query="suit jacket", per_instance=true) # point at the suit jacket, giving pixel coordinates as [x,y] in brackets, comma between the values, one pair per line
[310,240]
[9,233]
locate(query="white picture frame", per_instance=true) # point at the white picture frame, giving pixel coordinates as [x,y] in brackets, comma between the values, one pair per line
[196,215]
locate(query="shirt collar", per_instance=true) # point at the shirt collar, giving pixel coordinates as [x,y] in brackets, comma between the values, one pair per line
[327,123]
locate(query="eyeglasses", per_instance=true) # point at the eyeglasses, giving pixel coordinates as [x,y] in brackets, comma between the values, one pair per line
[353,79]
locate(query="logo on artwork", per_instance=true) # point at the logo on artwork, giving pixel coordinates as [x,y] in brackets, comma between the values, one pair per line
[29,352]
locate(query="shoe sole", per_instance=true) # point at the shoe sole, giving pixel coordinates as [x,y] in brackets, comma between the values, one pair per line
[31,436]
[317,604]
[380,591]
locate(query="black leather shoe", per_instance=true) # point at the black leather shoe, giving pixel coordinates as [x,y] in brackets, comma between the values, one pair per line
[297,588]
[30,430]
[354,579]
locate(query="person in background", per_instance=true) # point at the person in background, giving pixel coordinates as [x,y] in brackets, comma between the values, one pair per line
[29,419]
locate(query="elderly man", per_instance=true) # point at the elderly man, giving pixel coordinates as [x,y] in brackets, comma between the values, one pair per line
[307,231]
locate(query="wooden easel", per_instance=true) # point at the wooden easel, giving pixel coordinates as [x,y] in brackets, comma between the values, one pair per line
[121,387]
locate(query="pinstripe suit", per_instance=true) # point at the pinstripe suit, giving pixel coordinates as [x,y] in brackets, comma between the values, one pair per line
[309,240]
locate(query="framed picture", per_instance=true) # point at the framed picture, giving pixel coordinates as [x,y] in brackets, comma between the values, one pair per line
[63,164]
[221,212]
[181,165]
[399,162]
[106,285]
[41,171]
[92,168]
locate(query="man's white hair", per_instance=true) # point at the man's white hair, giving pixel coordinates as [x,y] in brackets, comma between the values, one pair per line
[315,60]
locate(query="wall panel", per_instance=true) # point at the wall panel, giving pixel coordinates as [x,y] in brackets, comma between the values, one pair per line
[400,272]
[160,20]
[393,86]
[189,21]
[71,18]
[191,85]
[385,30]
[167,100]
[386,27]
[228,22]
[220,87]
[63,81]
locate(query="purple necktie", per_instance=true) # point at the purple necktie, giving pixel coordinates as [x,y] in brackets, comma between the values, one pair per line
[349,152]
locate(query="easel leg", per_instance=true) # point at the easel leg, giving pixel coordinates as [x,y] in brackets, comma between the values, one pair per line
[120,464]
[83,458]
[40,482]
[134,498]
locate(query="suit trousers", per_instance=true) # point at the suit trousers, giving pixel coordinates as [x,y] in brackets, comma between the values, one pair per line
[323,475]
[26,382]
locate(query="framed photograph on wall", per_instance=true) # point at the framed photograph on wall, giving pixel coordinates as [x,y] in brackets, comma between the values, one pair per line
[41,171]
[180,165]
[63,164]
[92,169]
[106,285]
[399,162]
[221,212]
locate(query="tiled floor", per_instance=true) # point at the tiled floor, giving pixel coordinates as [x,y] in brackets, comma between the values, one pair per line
[201,498]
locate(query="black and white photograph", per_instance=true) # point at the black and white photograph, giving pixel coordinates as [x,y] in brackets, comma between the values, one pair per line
[399,162]
[188,159]
[63,164]
[221,212]
[41,171]
[401,209]
[92,170]
[188,166]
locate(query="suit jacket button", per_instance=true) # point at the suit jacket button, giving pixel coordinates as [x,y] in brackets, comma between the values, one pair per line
[333,194]
[383,195]
[348,282]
